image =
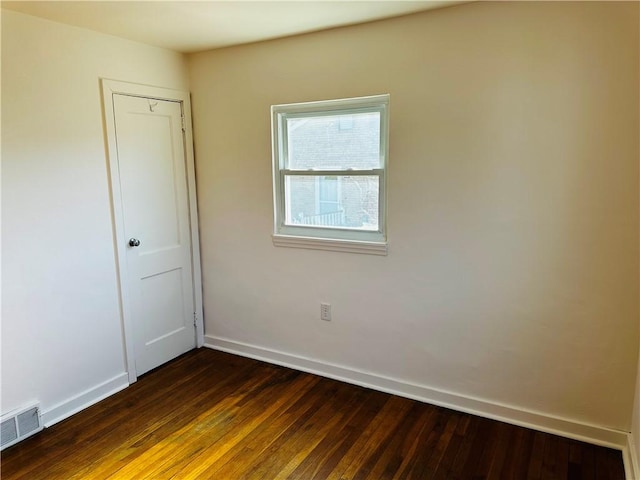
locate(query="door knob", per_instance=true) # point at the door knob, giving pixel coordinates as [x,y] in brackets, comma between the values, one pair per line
[134,242]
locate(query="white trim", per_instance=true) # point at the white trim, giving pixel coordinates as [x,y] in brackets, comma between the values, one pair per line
[351,246]
[193,212]
[510,414]
[334,104]
[630,459]
[85,399]
[118,227]
[110,88]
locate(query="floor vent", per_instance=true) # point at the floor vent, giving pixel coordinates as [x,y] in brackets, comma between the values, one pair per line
[20,424]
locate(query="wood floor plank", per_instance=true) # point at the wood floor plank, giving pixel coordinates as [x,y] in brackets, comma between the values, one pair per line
[367,442]
[462,456]
[574,468]
[221,424]
[407,434]
[444,470]
[322,459]
[549,458]
[481,446]
[589,462]
[292,450]
[265,439]
[537,456]
[241,429]
[562,459]
[213,415]
[504,435]
[616,464]
[346,438]
[518,454]
[434,440]
[421,445]
[322,413]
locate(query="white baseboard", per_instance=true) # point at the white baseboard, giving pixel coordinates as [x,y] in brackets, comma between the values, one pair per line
[85,399]
[535,420]
[631,460]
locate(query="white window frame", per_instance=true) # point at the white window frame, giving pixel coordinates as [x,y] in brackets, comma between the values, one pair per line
[324,238]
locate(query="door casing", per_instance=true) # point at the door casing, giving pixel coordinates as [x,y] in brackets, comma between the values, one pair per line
[110,88]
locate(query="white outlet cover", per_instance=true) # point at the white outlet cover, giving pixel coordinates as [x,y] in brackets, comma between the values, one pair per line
[325,311]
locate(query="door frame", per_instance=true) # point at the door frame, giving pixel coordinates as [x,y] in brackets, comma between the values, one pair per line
[109,89]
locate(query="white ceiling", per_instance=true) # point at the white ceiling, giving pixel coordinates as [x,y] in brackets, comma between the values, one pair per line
[191,26]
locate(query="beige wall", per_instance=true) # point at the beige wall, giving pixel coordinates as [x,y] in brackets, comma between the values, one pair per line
[513,213]
[635,427]
[61,329]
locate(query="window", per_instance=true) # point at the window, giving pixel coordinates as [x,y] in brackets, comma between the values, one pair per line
[329,174]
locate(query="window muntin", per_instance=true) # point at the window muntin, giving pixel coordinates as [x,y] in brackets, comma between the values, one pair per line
[330,169]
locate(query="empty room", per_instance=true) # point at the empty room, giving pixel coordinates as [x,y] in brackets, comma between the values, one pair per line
[320,240]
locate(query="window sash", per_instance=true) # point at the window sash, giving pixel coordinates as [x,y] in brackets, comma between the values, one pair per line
[283,140]
[312,230]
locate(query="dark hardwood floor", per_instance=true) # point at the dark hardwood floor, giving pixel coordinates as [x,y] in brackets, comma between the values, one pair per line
[211,415]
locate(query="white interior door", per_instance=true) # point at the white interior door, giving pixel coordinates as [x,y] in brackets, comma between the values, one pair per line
[150,148]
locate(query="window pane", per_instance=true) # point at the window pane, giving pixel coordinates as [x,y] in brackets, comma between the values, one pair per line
[332,201]
[334,142]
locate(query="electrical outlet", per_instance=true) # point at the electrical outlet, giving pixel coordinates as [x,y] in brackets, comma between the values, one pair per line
[325,312]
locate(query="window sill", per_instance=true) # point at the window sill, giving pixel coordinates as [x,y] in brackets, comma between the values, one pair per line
[349,246]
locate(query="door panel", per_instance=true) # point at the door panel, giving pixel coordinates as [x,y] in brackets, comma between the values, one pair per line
[153,185]
[163,296]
